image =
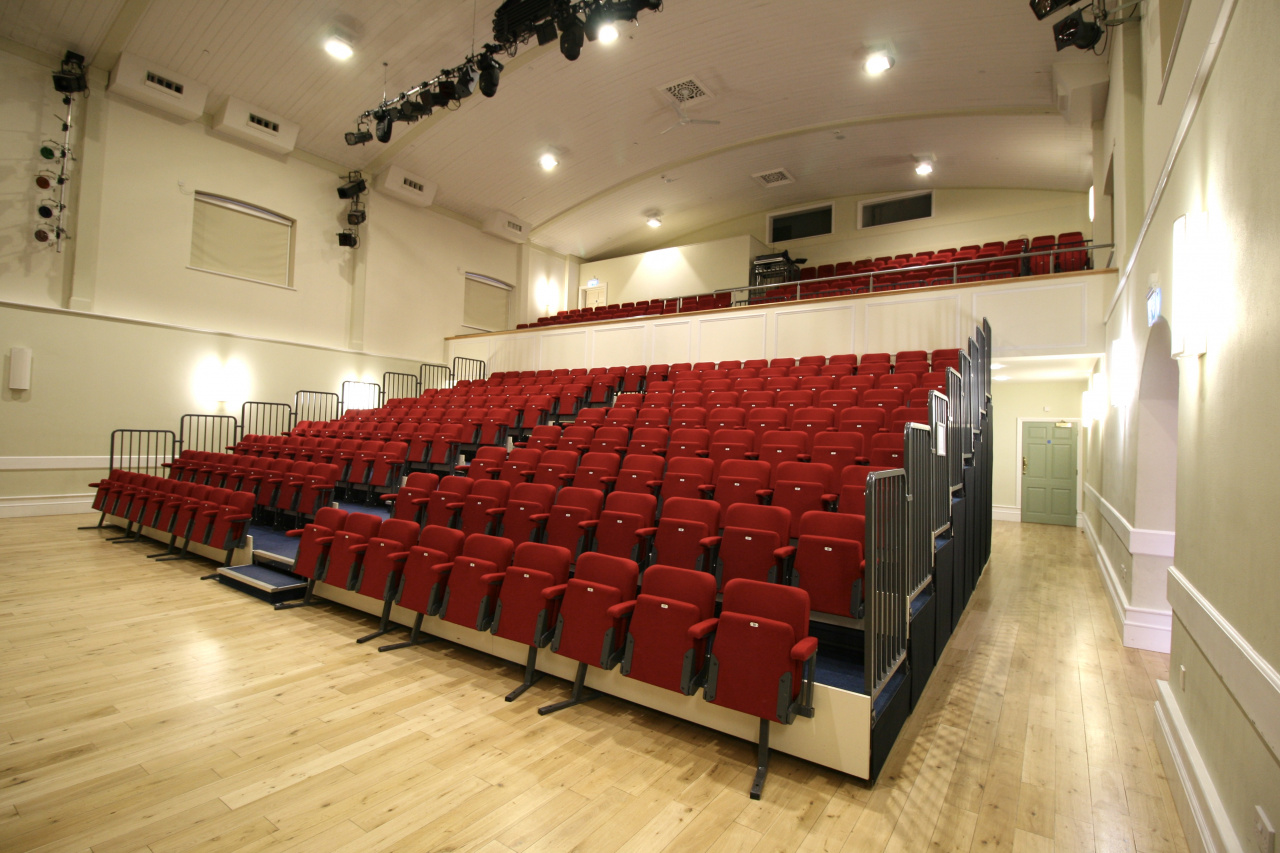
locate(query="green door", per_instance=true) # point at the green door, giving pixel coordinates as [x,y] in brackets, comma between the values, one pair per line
[1049,472]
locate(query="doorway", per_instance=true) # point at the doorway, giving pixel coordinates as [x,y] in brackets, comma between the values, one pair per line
[594,297]
[1049,472]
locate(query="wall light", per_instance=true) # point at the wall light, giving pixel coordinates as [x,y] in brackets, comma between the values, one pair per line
[924,166]
[1090,203]
[339,48]
[1191,271]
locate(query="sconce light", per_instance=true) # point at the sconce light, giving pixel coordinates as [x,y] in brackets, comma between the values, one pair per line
[1190,282]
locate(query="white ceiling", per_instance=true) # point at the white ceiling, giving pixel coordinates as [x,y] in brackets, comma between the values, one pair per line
[972,85]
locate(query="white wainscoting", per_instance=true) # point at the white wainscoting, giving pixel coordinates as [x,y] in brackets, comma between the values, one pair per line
[1140,627]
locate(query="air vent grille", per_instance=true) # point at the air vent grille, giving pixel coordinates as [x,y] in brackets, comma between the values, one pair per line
[164,83]
[774,178]
[515,226]
[414,185]
[685,90]
[264,123]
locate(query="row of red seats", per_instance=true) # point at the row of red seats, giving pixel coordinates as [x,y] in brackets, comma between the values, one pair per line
[283,488]
[192,513]
[600,612]
[642,308]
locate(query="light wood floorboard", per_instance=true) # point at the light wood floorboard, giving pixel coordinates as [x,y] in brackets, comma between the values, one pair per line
[143,709]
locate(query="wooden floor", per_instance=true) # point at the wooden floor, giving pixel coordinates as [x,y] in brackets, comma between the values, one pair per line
[143,709]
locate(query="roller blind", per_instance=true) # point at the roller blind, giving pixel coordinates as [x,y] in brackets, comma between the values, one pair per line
[484,303]
[236,239]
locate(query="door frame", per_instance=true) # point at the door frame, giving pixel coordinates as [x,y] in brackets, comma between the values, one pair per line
[583,290]
[1017,465]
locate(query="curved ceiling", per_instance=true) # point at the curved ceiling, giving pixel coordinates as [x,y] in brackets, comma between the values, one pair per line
[973,86]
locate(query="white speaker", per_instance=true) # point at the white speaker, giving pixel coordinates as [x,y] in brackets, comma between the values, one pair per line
[20,369]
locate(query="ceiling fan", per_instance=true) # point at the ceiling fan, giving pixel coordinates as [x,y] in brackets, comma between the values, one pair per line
[686,120]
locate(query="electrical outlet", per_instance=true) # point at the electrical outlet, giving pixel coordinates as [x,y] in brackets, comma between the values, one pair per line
[1182,677]
[1264,833]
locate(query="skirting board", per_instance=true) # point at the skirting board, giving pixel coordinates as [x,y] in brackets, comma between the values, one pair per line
[1013,513]
[1140,628]
[1204,820]
[25,506]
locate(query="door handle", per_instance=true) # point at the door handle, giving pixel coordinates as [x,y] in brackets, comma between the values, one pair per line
[1024,465]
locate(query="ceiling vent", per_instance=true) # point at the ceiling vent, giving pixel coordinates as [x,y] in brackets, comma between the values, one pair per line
[252,124]
[406,186]
[139,80]
[507,226]
[774,178]
[686,90]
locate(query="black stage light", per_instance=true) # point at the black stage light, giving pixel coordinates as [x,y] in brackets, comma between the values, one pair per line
[546,32]
[1045,8]
[44,235]
[70,78]
[52,151]
[411,110]
[383,119]
[348,239]
[354,186]
[571,36]
[46,180]
[356,215]
[597,18]
[466,83]
[49,209]
[359,136]
[1075,31]
[490,72]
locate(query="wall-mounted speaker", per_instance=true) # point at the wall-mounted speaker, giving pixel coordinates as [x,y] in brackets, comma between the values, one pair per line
[20,369]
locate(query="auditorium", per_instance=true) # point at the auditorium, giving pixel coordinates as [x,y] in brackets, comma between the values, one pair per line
[620,425]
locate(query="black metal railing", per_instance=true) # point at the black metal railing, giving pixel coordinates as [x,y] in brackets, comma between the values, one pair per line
[887,593]
[940,480]
[955,428]
[398,386]
[434,376]
[261,418]
[317,406]
[142,451]
[468,368]
[918,464]
[208,432]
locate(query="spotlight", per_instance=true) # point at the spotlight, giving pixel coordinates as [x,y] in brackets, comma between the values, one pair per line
[599,19]
[924,167]
[360,135]
[608,33]
[411,110]
[355,186]
[348,239]
[878,63]
[653,221]
[46,180]
[1074,30]
[49,209]
[52,151]
[443,94]
[548,161]
[44,235]
[546,32]
[490,72]
[356,215]
[465,85]
[70,78]
[571,36]
[1045,8]
[339,48]
[383,119]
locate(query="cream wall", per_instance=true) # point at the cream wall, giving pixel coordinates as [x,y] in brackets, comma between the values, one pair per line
[961,216]
[677,271]
[1220,733]
[1046,401]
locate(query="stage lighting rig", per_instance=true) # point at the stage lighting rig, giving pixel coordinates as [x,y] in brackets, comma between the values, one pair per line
[354,187]
[70,79]
[490,73]
[383,118]
[1075,31]
[356,214]
[348,239]
[360,135]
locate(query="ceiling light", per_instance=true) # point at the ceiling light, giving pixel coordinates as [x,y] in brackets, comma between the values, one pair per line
[924,167]
[608,33]
[1075,31]
[548,161]
[878,63]
[653,221]
[1045,8]
[339,48]
[490,72]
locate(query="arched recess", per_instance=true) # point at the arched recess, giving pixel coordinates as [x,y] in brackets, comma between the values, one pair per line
[1155,493]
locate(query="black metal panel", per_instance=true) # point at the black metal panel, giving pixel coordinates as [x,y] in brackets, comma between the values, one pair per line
[887,594]
[434,376]
[398,386]
[317,406]
[918,464]
[955,428]
[142,451]
[940,483]
[468,368]
[208,432]
[260,418]
[922,653]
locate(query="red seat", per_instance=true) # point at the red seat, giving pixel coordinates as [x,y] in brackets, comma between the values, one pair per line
[640,473]
[526,511]
[738,481]
[443,503]
[519,465]
[648,440]
[573,506]
[348,548]
[485,464]
[801,487]
[314,542]
[829,562]
[753,544]
[678,539]
[597,470]
[616,532]
[666,640]
[381,566]
[471,591]
[853,488]
[685,476]
[425,587]
[476,514]
[838,449]
[525,613]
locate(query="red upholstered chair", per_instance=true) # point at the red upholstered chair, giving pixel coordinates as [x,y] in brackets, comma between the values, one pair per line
[476,513]
[435,545]
[839,450]
[666,640]
[527,511]
[680,539]
[485,464]
[314,542]
[576,438]
[592,625]
[853,489]
[427,577]
[348,549]
[738,481]
[524,613]
[616,531]
[763,660]
[443,503]
[828,562]
[753,544]
[684,476]
[564,524]
[688,442]
[556,467]
[475,580]
[409,503]
[867,421]
[649,440]
[381,566]
[640,473]
[597,470]
[801,487]
[520,464]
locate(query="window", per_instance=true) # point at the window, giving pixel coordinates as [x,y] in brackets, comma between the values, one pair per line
[797,224]
[887,211]
[484,303]
[238,240]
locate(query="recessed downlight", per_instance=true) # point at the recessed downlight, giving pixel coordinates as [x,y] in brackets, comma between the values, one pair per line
[548,161]
[924,167]
[878,62]
[608,33]
[653,222]
[339,48]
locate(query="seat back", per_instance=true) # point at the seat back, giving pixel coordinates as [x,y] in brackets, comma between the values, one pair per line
[659,649]
[584,629]
[752,533]
[684,524]
[573,506]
